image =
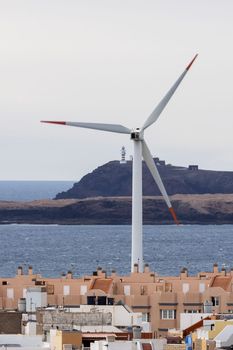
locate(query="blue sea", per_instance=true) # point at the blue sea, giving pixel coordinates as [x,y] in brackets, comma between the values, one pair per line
[53,250]
[31,190]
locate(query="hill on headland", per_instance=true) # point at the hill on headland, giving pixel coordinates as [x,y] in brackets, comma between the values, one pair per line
[115,180]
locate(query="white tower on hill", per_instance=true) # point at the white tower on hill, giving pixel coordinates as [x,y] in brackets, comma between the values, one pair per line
[123,154]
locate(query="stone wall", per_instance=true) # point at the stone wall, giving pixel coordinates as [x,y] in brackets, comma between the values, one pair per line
[64,320]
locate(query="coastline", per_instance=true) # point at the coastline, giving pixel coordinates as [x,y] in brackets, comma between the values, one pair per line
[190,209]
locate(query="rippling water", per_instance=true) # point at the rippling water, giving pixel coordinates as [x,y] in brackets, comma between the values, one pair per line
[52,250]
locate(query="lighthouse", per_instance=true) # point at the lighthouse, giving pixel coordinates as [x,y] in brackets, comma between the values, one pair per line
[123,153]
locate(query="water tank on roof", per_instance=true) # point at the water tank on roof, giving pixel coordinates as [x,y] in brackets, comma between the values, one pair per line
[91,300]
[110,301]
[137,332]
[101,300]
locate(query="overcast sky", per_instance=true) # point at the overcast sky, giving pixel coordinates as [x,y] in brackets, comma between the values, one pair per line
[111,61]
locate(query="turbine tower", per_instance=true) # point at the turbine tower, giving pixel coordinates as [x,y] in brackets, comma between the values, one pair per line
[140,151]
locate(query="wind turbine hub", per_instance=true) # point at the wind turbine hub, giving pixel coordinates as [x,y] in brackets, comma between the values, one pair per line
[137,134]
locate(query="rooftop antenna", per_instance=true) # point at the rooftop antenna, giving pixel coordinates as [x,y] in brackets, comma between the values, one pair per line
[140,150]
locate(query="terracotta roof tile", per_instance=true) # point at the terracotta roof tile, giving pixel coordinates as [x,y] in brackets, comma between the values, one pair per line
[146,346]
[221,281]
[103,284]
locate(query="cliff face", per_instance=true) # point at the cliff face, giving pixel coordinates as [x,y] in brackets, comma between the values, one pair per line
[114,179]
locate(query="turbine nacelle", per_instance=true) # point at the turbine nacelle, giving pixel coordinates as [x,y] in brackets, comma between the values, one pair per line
[137,134]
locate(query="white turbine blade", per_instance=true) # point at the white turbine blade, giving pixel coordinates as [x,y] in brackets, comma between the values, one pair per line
[154,172]
[162,104]
[96,126]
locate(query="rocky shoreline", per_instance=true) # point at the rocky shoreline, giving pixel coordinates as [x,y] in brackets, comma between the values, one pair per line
[190,209]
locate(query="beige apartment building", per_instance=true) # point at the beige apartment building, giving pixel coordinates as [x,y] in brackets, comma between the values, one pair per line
[160,299]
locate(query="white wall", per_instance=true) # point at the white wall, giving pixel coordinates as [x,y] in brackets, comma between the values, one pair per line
[157,344]
[120,315]
[225,337]
[119,345]
[30,328]
[35,298]
[53,333]
[187,320]
[22,340]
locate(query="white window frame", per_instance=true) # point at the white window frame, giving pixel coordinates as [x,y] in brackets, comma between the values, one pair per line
[66,290]
[201,287]
[145,317]
[83,289]
[191,311]
[169,314]
[215,301]
[185,288]
[127,290]
[10,293]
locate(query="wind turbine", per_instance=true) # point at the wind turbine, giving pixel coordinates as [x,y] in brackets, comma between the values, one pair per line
[140,150]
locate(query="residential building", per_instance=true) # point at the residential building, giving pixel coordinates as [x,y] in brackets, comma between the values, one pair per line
[159,299]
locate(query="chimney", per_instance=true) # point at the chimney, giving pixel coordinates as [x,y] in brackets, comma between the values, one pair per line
[215,268]
[184,273]
[135,268]
[223,272]
[20,271]
[113,274]
[99,271]
[30,271]
[146,268]
[69,275]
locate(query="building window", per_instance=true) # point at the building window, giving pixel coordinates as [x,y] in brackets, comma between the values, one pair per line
[66,290]
[83,289]
[215,301]
[185,287]
[127,290]
[10,293]
[143,290]
[168,314]
[192,311]
[201,287]
[145,317]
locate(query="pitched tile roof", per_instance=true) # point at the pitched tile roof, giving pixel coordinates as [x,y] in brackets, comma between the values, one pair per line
[221,281]
[103,284]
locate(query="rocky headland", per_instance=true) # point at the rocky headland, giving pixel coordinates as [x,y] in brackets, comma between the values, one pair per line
[115,180]
[190,209]
[104,197]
